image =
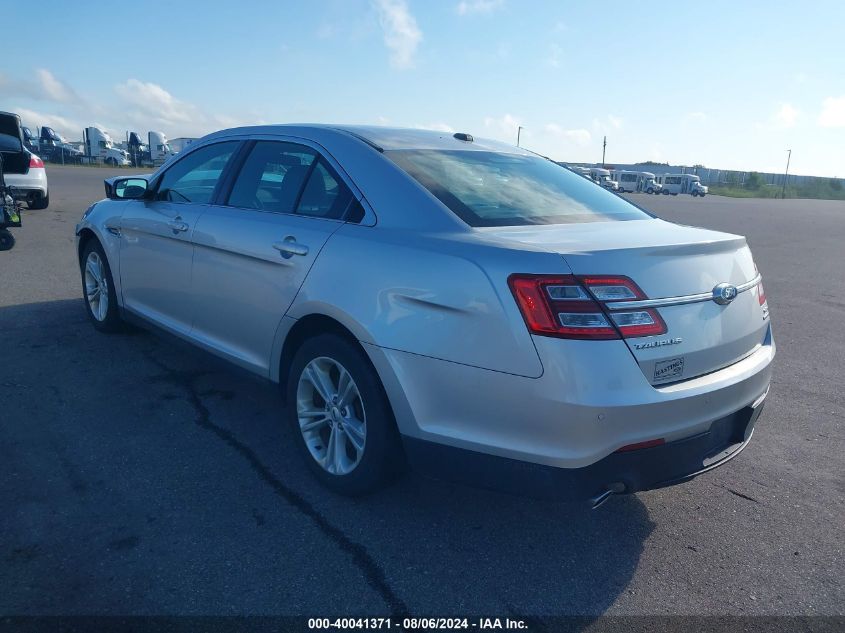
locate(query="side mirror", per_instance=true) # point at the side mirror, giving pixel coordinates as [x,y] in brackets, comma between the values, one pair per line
[130,188]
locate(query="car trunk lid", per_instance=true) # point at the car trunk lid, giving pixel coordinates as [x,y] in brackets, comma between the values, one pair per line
[678,264]
[15,159]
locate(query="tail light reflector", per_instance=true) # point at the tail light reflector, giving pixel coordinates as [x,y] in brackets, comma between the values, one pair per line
[575,307]
[640,445]
[34,161]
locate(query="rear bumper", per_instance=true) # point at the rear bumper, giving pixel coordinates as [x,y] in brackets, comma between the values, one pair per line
[619,472]
[32,184]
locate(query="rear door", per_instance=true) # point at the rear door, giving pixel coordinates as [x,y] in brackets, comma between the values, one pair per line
[156,250]
[254,248]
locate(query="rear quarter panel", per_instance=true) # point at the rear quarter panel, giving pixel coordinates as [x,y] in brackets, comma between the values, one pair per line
[443,296]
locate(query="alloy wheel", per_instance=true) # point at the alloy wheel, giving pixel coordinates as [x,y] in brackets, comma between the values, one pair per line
[331,415]
[96,286]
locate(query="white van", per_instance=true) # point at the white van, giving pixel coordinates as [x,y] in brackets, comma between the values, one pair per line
[602,177]
[682,183]
[636,181]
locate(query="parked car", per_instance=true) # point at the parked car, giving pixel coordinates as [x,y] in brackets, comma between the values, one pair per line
[24,172]
[464,305]
[30,183]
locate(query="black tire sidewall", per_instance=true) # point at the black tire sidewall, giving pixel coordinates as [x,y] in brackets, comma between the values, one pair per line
[112,322]
[382,457]
[41,204]
[7,240]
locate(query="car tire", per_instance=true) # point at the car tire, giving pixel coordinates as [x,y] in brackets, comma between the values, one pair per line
[350,443]
[40,203]
[7,240]
[649,191]
[98,284]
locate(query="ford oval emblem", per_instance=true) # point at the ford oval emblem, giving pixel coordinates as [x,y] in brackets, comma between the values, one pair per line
[723,294]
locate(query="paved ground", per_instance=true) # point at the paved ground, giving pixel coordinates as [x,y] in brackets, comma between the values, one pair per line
[140,476]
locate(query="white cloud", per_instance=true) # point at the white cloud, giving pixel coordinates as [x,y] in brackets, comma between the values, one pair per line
[468,7]
[401,33]
[554,57]
[695,117]
[833,112]
[155,102]
[70,129]
[504,127]
[150,106]
[45,87]
[54,89]
[580,137]
[607,125]
[786,115]
[326,31]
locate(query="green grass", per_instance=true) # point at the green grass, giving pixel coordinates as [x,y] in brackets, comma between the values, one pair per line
[822,190]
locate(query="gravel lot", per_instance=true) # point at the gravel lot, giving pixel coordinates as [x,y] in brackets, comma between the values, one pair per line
[138,476]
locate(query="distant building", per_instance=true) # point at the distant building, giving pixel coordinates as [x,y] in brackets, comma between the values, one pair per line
[708,176]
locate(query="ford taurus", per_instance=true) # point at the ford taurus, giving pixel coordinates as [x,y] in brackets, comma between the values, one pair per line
[458,304]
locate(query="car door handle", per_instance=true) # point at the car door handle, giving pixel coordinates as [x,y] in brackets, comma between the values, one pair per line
[289,247]
[178,226]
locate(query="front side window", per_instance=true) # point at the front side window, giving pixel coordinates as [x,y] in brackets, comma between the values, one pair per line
[194,178]
[499,189]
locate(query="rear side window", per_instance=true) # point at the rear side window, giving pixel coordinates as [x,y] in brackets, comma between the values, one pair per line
[272,177]
[499,189]
[289,178]
[194,177]
[323,196]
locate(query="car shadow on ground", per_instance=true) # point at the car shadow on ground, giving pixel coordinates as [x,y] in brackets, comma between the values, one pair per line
[176,470]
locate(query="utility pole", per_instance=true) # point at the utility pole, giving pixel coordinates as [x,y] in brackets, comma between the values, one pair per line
[603,149]
[518,132]
[786,174]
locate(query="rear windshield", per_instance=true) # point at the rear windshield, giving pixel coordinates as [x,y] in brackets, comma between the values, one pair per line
[498,189]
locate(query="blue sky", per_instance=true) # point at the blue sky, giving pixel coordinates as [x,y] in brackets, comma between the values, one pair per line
[725,84]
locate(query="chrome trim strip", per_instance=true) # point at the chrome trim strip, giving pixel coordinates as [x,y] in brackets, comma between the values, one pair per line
[676,301]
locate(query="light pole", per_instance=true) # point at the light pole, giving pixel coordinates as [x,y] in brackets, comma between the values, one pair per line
[603,148]
[518,132]
[786,174]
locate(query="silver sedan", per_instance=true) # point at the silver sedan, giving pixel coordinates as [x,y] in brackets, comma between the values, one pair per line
[457,304]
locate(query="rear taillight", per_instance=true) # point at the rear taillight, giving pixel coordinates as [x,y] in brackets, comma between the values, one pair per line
[34,161]
[761,294]
[566,306]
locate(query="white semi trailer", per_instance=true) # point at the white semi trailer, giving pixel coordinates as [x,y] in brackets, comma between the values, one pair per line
[153,153]
[99,148]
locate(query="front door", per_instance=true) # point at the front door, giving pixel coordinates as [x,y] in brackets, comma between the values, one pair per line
[156,249]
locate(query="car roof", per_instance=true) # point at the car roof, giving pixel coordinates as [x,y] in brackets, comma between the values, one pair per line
[384,138]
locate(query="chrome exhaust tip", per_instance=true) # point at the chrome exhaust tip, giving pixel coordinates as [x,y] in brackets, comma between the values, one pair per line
[600,498]
[615,488]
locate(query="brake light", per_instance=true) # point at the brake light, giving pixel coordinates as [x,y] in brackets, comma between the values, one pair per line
[566,306]
[761,294]
[34,161]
